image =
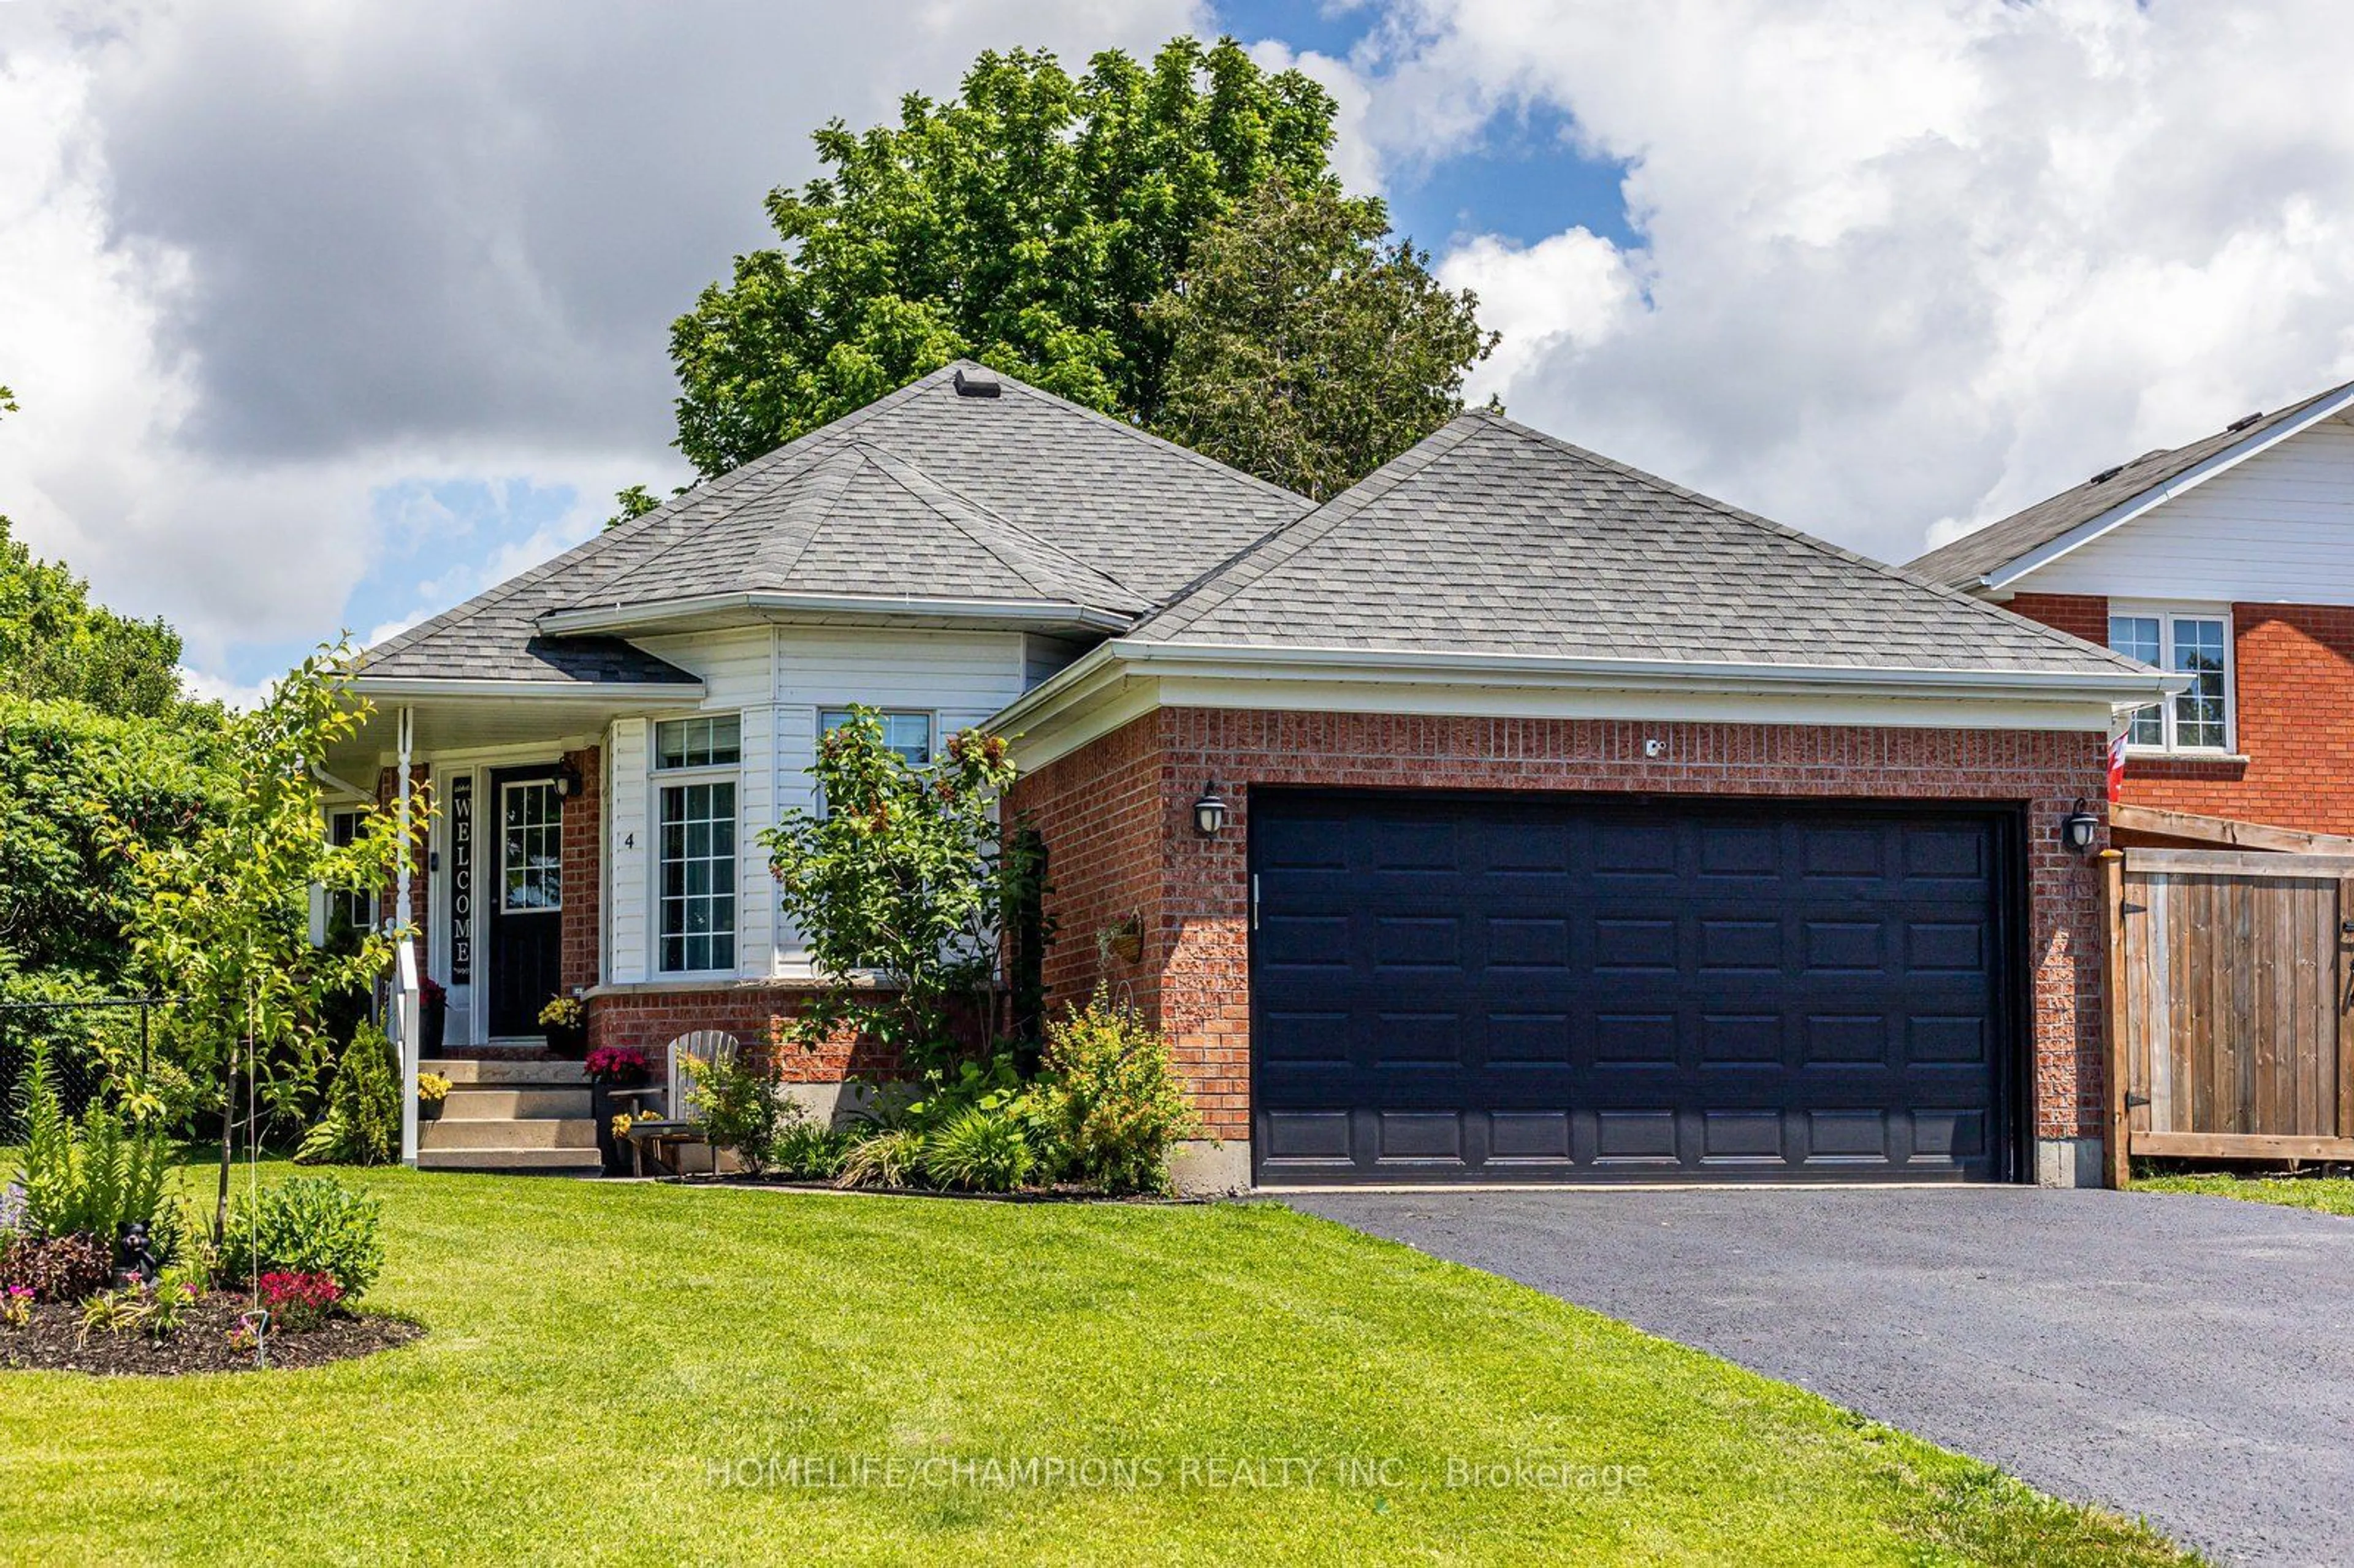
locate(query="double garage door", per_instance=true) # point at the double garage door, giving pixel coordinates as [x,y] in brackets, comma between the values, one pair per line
[1602,989]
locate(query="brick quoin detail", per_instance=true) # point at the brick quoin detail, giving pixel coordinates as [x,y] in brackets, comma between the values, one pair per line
[1116,816]
[581,840]
[2293,691]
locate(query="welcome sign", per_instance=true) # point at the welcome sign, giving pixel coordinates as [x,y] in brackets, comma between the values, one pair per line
[461,879]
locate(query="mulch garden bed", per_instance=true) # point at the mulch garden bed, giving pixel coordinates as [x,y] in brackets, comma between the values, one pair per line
[53,1341]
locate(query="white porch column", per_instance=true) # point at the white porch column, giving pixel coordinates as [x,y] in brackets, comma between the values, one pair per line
[406,998]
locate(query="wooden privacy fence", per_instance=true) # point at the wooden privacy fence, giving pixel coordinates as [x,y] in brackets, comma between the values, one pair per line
[2231,974]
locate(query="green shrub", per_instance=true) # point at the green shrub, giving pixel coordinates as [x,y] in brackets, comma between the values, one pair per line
[1121,1108]
[980,1147]
[89,1178]
[885,1157]
[809,1151]
[361,1126]
[737,1108]
[312,1224]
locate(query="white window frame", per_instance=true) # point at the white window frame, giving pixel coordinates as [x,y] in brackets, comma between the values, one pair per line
[2165,612]
[553,823]
[930,716]
[371,899]
[659,779]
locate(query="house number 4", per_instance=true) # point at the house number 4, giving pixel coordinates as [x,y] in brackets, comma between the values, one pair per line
[628,841]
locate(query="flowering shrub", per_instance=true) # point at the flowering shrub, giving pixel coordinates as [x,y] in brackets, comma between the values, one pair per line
[299,1302]
[623,1064]
[313,1225]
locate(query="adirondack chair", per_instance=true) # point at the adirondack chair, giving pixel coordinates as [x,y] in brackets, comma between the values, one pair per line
[667,1139]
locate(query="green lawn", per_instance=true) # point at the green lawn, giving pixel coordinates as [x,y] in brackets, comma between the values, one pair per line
[2331,1195]
[601,1355]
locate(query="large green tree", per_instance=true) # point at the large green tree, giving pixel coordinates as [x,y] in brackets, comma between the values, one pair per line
[1307,349]
[1025,222]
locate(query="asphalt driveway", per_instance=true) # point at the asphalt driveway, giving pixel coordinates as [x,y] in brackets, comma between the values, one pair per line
[2187,1359]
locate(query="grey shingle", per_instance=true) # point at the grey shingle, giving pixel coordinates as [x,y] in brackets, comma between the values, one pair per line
[1022,495]
[1974,555]
[1493,537]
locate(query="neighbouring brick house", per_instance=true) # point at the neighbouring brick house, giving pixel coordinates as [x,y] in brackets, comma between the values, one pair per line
[2230,561]
[1514,816]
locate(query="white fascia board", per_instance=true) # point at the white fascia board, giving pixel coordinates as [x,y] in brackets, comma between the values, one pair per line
[2158,495]
[1116,682]
[648,618]
[630,695]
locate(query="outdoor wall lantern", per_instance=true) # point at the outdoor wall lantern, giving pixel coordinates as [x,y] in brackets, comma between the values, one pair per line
[568,782]
[1210,812]
[2079,827]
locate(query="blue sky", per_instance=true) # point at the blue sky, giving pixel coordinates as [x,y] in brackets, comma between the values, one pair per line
[1522,182]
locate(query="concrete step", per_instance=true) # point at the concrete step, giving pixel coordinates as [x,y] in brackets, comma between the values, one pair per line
[510,1074]
[567,1162]
[468,1102]
[545,1132]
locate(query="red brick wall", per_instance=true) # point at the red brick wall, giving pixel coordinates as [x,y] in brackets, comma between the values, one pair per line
[753,1012]
[583,841]
[2085,615]
[2293,691]
[1114,852]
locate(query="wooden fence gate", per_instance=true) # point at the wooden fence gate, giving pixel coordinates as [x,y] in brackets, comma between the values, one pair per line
[2231,999]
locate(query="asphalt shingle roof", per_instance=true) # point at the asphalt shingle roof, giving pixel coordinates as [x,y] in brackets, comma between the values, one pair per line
[925,491]
[1974,555]
[1492,537]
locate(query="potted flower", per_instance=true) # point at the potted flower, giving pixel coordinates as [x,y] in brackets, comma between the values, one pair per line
[566,1023]
[432,1090]
[432,1015]
[612,1067]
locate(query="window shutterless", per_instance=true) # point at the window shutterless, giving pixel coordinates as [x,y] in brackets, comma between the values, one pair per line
[2197,718]
[907,733]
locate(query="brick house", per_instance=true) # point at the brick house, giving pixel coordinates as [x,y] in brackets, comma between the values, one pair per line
[1512,816]
[2230,561]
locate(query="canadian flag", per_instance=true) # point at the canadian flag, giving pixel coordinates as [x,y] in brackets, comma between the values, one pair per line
[2117,764]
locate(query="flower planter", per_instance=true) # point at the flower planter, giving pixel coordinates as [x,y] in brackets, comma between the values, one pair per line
[568,1042]
[431,1110]
[432,1022]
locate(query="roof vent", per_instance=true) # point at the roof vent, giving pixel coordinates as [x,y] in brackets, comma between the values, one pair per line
[2244,424]
[2107,474]
[976,385]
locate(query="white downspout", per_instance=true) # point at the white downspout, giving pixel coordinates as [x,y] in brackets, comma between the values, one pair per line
[406,1007]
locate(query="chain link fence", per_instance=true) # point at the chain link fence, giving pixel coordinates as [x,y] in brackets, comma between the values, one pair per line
[88,1042]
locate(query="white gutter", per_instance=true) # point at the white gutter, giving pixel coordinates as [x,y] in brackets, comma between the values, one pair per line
[660,694]
[2134,506]
[617,617]
[1122,656]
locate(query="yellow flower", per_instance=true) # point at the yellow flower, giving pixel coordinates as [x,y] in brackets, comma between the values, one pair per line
[621,1125]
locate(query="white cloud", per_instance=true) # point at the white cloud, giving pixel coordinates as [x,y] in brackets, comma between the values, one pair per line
[261,262]
[1901,264]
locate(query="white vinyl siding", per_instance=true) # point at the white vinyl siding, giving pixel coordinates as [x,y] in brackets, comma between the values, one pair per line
[628,837]
[2278,528]
[776,681]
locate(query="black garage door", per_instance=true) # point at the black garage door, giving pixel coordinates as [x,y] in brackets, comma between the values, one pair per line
[1550,988]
